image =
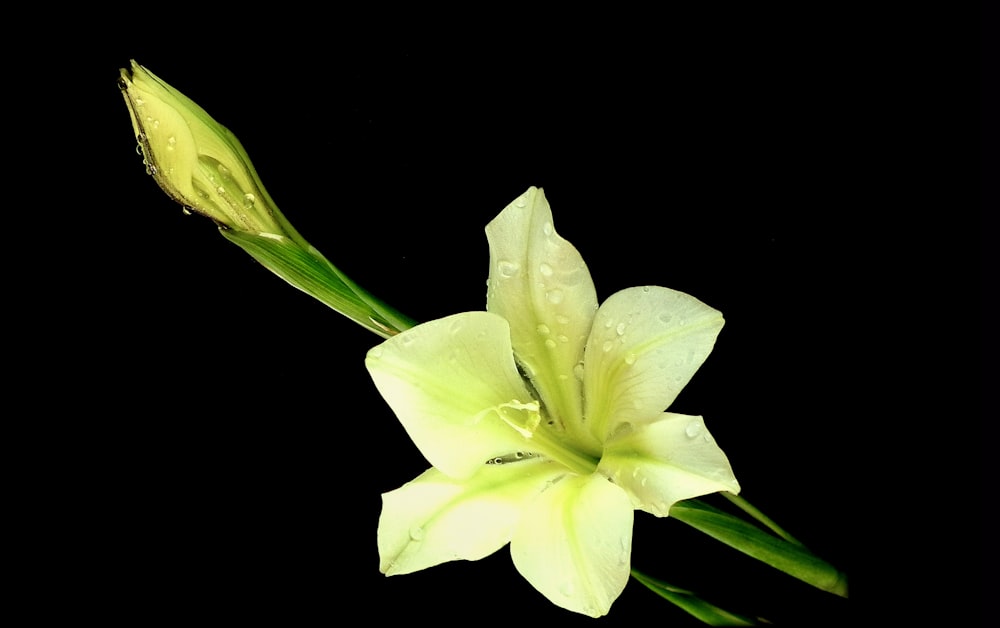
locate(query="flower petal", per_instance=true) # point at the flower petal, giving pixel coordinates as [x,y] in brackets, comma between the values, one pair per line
[539,283]
[665,461]
[645,346]
[435,519]
[454,386]
[574,543]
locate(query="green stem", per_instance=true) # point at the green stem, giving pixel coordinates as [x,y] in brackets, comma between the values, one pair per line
[308,270]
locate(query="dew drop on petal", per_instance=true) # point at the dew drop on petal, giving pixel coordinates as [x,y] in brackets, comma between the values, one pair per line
[630,359]
[665,317]
[545,269]
[554,296]
[550,343]
[567,589]
[543,329]
[547,228]
[417,533]
[693,428]
[608,345]
[620,329]
[507,268]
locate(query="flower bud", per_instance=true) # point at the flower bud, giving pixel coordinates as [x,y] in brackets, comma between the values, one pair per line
[197,161]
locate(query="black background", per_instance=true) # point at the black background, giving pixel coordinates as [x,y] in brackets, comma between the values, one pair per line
[235,449]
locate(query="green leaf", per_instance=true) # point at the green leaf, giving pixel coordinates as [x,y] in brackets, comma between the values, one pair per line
[309,271]
[783,555]
[692,604]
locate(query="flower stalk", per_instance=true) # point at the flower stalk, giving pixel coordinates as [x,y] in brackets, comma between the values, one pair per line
[200,164]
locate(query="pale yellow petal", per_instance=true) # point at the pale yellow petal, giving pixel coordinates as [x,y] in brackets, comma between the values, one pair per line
[574,543]
[454,386]
[662,462]
[645,346]
[540,284]
[435,519]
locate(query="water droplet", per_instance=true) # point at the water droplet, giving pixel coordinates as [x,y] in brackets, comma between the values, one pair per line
[417,533]
[608,345]
[156,124]
[665,317]
[150,169]
[547,228]
[562,320]
[220,190]
[645,289]
[543,329]
[508,269]
[693,428]
[138,148]
[554,296]
[562,338]
[456,326]
[630,359]
[578,371]
[620,329]
[545,269]
[643,482]
[375,352]
[521,200]
[249,199]
[186,210]
[171,142]
[567,589]
[608,323]
[550,343]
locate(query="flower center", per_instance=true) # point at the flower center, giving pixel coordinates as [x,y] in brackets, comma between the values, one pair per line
[526,419]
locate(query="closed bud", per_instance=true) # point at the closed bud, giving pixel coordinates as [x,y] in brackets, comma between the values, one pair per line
[197,161]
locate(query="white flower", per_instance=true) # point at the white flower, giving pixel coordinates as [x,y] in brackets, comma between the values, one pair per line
[544,420]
